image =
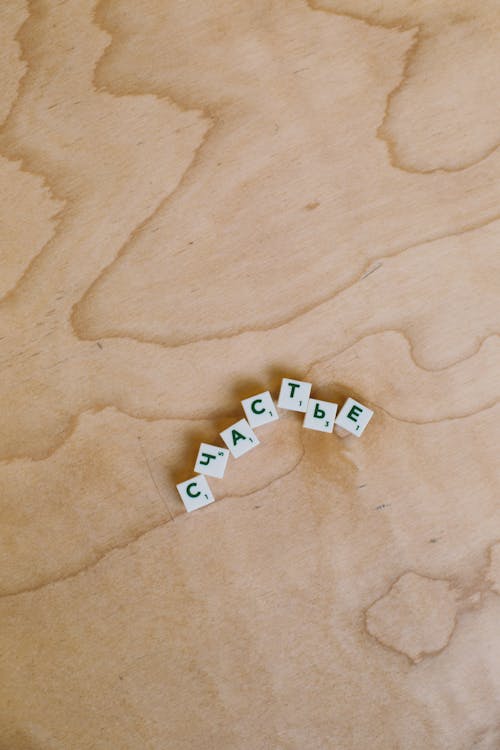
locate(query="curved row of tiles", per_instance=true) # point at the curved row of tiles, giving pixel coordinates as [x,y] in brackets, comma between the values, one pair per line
[259,410]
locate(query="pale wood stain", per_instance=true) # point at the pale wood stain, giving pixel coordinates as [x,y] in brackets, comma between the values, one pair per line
[198,199]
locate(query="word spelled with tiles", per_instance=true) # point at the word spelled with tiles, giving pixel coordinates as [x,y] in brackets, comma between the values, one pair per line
[259,410]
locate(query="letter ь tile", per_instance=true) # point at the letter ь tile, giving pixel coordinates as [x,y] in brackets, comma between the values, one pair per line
[320,415]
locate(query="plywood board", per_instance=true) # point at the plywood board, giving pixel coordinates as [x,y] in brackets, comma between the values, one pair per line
[197,200]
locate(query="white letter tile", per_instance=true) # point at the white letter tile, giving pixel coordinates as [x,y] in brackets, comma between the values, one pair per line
[354,417]
[259,409]
[211,460]
[195,493]
[320,415]
[294,395]
[239,438]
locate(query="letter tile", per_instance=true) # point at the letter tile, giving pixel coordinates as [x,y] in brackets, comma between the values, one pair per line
[294,395]
[354,417]
[259,409]
[320,415]
[195,493]
[211,460]
[239,438]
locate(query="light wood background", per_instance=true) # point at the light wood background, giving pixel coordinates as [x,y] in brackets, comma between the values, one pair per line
[198,198]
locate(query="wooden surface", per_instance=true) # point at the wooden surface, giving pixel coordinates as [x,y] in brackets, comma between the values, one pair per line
[197,199]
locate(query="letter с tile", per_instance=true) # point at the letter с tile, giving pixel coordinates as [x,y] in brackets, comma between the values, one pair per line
[195,493]
[259,409]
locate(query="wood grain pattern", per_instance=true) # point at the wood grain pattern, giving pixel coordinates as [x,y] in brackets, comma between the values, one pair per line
[198,199]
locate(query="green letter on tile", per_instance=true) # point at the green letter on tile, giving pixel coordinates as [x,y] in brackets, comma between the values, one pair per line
[354,413]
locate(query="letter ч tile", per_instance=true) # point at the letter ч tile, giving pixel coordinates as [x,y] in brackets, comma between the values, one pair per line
[212,460]
[259,409]
[294,395]
[320,415]
[195,493]
[240,438]
[354,417]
